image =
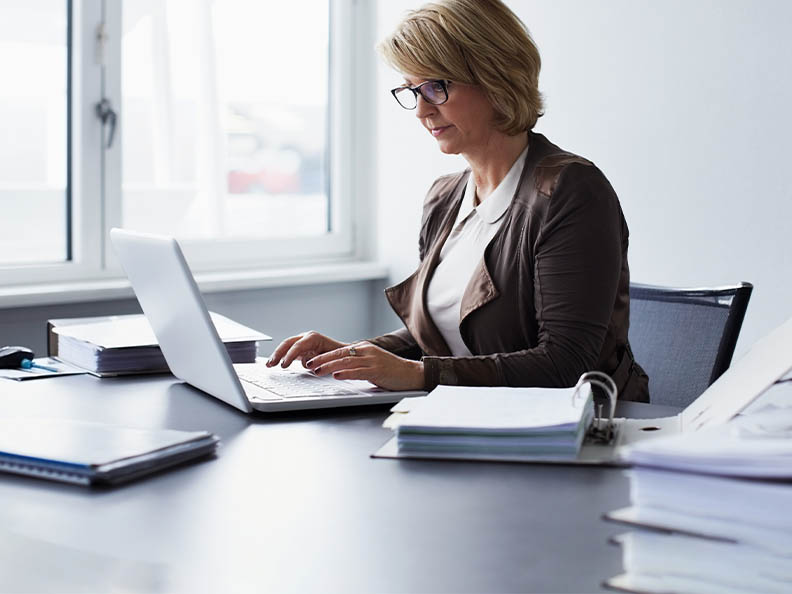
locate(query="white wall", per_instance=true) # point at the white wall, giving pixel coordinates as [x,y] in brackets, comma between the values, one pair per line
[686,108]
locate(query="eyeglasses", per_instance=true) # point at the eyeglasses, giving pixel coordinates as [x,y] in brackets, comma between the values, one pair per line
[433,91]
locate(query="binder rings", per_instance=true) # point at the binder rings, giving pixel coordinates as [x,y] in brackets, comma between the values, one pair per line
[88,453]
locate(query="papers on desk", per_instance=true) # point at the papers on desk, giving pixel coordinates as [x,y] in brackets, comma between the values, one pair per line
[700,533]
[726,526]
[750,512]
[114,345]
[655,562]
[755,445]
[50,368]
[493,423]
[86,453]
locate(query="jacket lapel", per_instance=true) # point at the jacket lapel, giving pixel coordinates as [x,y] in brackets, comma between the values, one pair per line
[408,298]
[479,291]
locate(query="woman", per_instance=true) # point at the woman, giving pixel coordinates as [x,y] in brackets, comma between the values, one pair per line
[523,278]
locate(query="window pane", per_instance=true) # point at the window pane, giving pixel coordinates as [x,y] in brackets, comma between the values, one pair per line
[224,109]
[33,143]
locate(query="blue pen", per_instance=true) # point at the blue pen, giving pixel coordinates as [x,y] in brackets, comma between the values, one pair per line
[27,364]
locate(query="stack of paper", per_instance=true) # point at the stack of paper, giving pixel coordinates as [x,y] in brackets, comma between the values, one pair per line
[656,562]
[126,344]
[755,445]
[493,423]
[746,511]
[721,533]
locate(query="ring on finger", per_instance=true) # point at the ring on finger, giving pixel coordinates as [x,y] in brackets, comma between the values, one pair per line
[352,351]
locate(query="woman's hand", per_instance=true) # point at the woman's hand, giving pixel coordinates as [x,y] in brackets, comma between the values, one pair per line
[365,361]
[302,347]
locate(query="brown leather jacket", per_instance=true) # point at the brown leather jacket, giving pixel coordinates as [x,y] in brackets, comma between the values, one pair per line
[549,299]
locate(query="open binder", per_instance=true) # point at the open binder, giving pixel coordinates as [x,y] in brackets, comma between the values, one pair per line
[765,363]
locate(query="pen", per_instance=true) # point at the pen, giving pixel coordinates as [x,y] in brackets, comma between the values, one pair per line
[27,364]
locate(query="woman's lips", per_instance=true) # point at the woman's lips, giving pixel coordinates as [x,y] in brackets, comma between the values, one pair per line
[438,131]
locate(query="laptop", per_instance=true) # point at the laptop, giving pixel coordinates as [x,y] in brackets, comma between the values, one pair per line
[172,303]
[766,362]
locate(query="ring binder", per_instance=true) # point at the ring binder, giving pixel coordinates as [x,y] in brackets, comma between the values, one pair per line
[600,431]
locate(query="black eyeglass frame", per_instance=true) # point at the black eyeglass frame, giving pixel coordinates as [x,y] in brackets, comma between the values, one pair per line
[417,90]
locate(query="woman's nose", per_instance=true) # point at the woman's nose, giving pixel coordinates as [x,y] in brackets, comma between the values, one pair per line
[423,108]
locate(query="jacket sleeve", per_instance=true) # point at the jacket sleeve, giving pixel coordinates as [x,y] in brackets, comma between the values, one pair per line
[576,263]
[399,342]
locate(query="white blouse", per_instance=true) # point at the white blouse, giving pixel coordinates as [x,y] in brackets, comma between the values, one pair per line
[473,230]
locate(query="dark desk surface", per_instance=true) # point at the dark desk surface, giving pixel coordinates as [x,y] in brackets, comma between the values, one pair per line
[293,502]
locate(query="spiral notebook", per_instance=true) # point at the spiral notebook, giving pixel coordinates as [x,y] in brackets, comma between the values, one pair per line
[86,453]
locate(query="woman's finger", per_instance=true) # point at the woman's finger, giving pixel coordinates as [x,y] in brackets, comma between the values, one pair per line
[352,350]
[338,364]
[281,350]
[354,373]
[296,350]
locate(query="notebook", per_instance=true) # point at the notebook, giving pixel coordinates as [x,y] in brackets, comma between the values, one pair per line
[172,302]
[766,362]
[85,453]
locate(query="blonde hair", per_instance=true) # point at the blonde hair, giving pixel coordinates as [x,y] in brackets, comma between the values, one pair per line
[477,42]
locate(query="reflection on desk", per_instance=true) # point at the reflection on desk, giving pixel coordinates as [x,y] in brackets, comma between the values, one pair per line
[293,502]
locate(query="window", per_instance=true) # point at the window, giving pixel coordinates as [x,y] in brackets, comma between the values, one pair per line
[230,131]
[226,132]
[33,146]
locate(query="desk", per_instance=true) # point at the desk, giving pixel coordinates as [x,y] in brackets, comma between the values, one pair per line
[293,502]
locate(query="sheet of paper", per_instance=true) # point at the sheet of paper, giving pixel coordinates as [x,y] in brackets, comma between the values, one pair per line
[755,445]
[60,368]
[135,331]
[496,408]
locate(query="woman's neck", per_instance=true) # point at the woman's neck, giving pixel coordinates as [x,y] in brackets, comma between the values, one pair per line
[492,162]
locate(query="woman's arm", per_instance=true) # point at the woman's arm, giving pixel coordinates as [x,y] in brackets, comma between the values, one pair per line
[399,342]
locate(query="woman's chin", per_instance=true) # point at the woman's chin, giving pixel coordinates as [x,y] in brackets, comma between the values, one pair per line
[447,148]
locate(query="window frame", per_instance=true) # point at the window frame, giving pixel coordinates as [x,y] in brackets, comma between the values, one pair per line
[95,170]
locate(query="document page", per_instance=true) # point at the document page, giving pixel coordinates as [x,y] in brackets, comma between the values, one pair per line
[497,408]
[135,331]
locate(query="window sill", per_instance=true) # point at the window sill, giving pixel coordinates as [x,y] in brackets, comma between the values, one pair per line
[214,282]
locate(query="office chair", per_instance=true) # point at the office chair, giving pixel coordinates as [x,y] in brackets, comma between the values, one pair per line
[684,338]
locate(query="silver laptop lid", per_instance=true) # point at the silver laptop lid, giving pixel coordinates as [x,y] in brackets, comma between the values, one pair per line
[169,296]
[767,361]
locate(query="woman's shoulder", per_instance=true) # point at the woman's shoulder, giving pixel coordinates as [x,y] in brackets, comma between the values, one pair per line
[555,164]
[446,185]
[444,190]
[550,169]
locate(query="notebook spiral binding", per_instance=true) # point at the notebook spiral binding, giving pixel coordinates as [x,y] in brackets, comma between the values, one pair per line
[601,429]
[43,472]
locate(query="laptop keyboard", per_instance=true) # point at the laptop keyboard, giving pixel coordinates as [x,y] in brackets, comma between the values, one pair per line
[289,384]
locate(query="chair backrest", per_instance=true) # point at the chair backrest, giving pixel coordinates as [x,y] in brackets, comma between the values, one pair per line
[684,338]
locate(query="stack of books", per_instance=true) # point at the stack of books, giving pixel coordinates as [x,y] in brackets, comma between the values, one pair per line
[712,509]
[118,345]
[493,423]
